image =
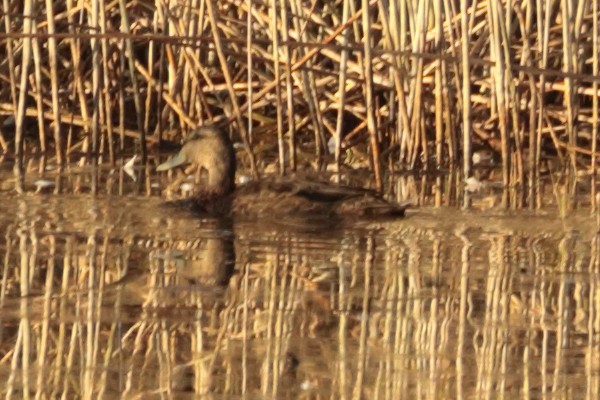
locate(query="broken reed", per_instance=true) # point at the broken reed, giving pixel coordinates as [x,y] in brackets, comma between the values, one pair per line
[420,84]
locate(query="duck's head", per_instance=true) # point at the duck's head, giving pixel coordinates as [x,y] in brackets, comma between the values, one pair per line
[210,148]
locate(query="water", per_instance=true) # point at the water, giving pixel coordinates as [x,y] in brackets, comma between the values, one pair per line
[120,295]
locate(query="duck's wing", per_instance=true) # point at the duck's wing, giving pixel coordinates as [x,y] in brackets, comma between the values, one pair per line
[296,197]
[367,206]
[318,191]
[274,197]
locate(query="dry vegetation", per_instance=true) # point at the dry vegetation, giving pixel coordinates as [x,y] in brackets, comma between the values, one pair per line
[412,85]
[102,299]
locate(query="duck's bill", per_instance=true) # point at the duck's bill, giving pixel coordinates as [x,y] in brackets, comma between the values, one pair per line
[172,162]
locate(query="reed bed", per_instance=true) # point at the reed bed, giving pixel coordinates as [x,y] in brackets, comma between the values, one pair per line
[414,85]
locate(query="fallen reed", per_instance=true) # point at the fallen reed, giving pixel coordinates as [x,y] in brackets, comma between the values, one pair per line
[416,85]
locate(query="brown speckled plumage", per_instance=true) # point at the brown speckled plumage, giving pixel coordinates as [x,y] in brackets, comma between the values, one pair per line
[212,150]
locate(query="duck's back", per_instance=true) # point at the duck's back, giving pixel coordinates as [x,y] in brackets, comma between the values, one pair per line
[273,197]
[279,196]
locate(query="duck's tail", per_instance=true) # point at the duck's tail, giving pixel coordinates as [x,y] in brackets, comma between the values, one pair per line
[372,207]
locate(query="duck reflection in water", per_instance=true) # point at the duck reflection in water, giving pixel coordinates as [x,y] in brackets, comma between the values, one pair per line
[201,258]
[214,262]
[212,150]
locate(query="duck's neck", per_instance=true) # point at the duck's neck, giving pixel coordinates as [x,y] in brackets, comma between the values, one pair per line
[218,159]
[221,176]
[220,182]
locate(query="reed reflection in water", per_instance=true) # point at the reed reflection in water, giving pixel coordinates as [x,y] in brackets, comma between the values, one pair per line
[112,295]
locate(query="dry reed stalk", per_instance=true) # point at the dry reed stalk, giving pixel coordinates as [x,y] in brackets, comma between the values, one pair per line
[162,24]
[274,30]
[569,67]
[78,81]
[306,84]
[96,98]
[179,87]
[20,114]
[54,79]
[289,88]
[341,91]
[396,42]
[106,113]
[534,171]
[186,28]
[134,82]
[418,141]
[439,97]
[152,48]
[233,99]
[518,124]
[11,66]
[6,263]
[369,103]
[395,36]
[595,102]
[500,91]
[447,79]
[3,142]
[466,94]
[249,62]
[38,89]
[121,97]
[543,22]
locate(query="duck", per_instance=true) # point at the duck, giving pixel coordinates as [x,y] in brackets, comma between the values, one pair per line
[211,149]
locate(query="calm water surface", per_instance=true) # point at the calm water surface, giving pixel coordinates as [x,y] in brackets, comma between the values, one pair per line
[122,295]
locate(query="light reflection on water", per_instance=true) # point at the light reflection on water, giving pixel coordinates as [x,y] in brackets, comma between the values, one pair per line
[123,295]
